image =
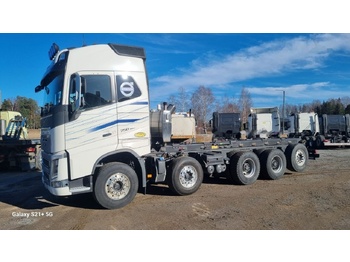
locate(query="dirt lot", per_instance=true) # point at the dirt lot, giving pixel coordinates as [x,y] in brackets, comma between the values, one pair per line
[316,199]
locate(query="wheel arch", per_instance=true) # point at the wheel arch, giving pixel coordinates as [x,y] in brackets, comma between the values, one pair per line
[128,157]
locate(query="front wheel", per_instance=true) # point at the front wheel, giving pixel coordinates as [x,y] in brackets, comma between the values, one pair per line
[186,176]
[116,185]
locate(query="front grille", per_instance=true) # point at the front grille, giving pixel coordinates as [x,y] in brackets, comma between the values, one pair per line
[46,169]
[46,164]
[46,178]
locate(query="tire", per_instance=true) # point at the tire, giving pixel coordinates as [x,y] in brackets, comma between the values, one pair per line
[186,176]
[258,152]
[273,164]
[116,185]
[297,157]
[319,142]
[244,168]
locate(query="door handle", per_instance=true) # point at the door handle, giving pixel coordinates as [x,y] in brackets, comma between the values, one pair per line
[107,134]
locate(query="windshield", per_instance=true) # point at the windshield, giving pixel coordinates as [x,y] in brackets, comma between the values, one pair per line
[53,94]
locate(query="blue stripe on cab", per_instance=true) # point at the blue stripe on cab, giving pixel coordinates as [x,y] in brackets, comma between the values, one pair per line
[139,103]
[112,123]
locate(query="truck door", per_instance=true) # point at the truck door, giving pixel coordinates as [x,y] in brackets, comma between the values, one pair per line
[92,128]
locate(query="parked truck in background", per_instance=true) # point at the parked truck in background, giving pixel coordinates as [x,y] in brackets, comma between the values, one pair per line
[306,126]
[313,130]
[321,131]
[335,129]
[303,123]
[226,125]
[5,118]
[99,134]
[16,150]
[264,122]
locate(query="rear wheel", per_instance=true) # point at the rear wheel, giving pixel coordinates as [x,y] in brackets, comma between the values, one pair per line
[116,185]
[297,157]
[186,176]
[244,168]
[273,164]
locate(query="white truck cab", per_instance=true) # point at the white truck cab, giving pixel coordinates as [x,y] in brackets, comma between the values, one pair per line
[304,122]
[96,106]
[264,122]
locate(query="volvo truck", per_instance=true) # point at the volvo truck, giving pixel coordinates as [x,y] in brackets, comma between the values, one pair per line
[100,136]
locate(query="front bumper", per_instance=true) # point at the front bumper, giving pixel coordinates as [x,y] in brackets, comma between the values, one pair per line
[55,173]
[55,176]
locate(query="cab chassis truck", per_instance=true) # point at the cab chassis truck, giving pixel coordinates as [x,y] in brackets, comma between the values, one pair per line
[99,135]
[335,130]
[16,151]
[321,131]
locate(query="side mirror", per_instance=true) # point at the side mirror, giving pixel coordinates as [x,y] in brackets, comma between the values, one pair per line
[75,98]
[38,88]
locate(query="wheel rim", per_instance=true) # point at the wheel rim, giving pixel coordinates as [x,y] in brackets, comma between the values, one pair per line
[300,157]
[188,176]
[276,164]
[117,186]
[249,168]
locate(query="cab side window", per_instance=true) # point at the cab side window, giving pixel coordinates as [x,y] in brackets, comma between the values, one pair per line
[96,90]
[127,88]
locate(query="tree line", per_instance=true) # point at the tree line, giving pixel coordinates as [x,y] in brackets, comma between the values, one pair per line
[340,106]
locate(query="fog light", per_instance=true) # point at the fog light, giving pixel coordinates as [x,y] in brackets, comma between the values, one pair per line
[58,184]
